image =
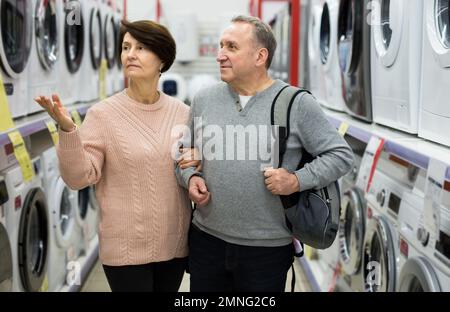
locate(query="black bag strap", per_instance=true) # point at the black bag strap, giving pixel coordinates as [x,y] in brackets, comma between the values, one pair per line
[280,115]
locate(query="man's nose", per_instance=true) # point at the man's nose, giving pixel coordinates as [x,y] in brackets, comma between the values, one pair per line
[220,56]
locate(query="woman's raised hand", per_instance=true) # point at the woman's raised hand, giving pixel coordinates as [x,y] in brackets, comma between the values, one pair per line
[57,111]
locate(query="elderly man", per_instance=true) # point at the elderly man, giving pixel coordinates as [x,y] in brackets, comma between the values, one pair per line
[239,240]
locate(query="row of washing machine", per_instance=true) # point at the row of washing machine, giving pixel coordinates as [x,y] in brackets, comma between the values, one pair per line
[44,227]
[384,243]
[57,46]
[381,61]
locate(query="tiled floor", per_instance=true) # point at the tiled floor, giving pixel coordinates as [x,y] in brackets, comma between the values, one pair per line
[97,282]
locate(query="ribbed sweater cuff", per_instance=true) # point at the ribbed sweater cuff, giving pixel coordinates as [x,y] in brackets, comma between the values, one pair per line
[305,179]
[69,140]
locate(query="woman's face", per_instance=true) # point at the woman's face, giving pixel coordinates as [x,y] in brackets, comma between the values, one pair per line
[138,61]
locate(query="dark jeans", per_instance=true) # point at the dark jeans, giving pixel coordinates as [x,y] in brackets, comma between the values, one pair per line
[216,265]
[157,276]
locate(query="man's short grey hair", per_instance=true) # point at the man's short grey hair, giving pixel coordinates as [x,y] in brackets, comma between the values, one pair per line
[262,33]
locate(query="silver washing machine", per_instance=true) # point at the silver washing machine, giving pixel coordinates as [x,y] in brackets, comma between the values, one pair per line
[354,57]
[6,268]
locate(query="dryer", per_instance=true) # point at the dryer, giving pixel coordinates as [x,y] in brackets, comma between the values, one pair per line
[89,85]
[434,121]
[43,68]
[352,221]
[62,206]
[396,60]
[417,273]
[6,269]
[28,228]
[381,243]
[329,60]
[354,57]
[72,50]
[316,80]
[16,33]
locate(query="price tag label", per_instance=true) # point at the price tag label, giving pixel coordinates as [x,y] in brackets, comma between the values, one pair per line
[343,128]
[6,121]
[22,156]
[44,287]
[53,131]
[76,117]
[102,78]
[431,218]
[369,162]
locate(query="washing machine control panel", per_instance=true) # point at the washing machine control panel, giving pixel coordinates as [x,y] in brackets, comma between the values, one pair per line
[381,197]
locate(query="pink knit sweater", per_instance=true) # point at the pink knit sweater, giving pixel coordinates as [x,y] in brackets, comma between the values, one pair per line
[124,148]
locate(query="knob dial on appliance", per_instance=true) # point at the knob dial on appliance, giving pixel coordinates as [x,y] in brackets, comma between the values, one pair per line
[423,236]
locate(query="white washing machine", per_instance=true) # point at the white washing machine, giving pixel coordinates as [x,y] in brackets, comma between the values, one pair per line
[329,59]
[89,85]
[352,221]
[173,84]
[354,57]
[396,63]
[72,51]
[28,228]
[44,59]
[381,243]
[6,269]
[62,204]
[434,121]
[417,273]
[16,33]
[119,80]
[109,45]
[88,215]
[305,8]
[317,80]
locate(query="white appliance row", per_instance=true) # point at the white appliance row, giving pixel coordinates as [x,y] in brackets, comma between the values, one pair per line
[383,61]
[56,46]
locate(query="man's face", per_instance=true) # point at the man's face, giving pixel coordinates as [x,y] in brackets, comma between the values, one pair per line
[238,52]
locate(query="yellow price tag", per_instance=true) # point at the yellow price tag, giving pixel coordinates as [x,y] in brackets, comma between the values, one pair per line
[76,117]
[22,156]
[343,128]
[44,287]
[6,121]
[311,253]
[53,131]
[102,79]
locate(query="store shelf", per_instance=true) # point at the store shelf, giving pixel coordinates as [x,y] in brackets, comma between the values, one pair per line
[36,122]
[407,146]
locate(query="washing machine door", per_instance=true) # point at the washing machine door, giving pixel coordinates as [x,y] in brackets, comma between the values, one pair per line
[16,31]
[379,257]
[350,34]
[417,275]
[46,32]
[325,34]
[438,29]
[110,41]
[83,205]
[64,216]
[73,39]
[387,29]
[118,49]
[6,268]
[33,240]
[95,38]
[351,230]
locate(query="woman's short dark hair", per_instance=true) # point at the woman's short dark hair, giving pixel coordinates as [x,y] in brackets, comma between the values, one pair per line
[154,36]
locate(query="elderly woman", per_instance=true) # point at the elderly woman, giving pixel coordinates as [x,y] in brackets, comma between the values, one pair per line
[124,148]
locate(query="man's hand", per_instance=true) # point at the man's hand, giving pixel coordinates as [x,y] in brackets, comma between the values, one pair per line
[198,192]
[281,182]
[189,158]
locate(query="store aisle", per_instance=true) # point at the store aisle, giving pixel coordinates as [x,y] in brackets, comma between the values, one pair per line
[96,282]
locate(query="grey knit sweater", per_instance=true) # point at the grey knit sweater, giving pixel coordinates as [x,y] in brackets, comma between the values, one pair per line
[235,143]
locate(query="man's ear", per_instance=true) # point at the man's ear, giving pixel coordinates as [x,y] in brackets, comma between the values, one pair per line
[262,56]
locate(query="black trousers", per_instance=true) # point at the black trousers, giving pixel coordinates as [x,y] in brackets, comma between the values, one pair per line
[216,265]
[163,276]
